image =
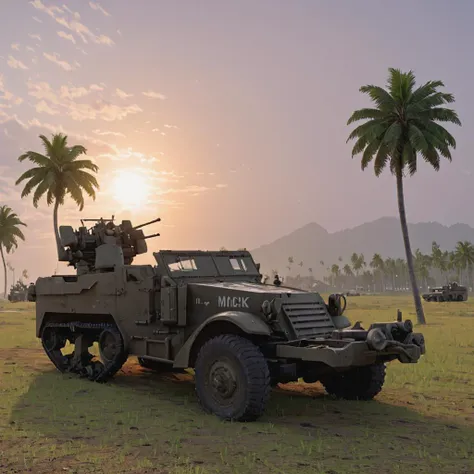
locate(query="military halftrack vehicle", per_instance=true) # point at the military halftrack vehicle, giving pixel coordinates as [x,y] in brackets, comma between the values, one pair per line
[450,292]
[208,311]
[18,292]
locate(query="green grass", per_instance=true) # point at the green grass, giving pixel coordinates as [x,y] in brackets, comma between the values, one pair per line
[423,421]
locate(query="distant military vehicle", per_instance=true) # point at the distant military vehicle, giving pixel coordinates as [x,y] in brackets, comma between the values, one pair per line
[206,310]
[449,292]
[18,292]
[352,293]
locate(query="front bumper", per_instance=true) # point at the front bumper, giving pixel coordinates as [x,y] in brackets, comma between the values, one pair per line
[358,347]
[355,353]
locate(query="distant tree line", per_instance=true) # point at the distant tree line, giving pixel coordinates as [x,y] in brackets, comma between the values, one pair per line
[391,274]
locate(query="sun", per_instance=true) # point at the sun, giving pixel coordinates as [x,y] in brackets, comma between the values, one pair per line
[130,189]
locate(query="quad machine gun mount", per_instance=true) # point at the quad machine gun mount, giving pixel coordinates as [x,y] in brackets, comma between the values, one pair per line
[104,246]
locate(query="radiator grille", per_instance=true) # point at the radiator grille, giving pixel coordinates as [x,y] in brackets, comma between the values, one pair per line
[309,319]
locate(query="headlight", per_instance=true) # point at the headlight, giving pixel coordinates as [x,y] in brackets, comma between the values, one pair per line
[268,310]
[376,339]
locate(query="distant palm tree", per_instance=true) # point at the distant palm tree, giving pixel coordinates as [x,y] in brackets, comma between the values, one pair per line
[377,264]
[57,174]
[335,271]
[439,259]
[347,270]
[402,125]
[9,235]
[464,255]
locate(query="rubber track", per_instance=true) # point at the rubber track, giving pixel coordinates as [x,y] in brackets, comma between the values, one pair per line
[362,383]
[255,367]
[111,368]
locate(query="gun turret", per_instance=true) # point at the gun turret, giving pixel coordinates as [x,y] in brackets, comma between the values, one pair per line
[104,246]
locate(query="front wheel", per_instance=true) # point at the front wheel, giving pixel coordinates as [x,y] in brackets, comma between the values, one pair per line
[360,383]
[232,378]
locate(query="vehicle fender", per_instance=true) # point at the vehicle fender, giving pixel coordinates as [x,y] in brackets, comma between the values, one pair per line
[247,322]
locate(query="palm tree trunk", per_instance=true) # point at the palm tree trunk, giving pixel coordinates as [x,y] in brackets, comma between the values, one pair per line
[411,271]
[4,272]
[59,247]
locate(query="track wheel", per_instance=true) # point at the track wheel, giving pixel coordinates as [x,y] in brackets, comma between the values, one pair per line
[232,378]
[112,355]
[360,383]
[53,341]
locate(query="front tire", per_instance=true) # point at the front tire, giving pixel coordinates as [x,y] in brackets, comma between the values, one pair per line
[232,378]
[360,383]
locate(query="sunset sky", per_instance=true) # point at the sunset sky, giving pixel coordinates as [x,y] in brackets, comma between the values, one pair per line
[226,119]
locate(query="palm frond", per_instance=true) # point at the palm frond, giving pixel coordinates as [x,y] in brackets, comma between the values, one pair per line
[76,193]
[381,158]
[408,159]
[75,151]
[441,114]
[417,139]
[36,158]
[82,164]
[364,114]
[47,145]
[85,179]
[400,84]
[369,152]
[33,182]
[42,188]
[425,90]
[380,96]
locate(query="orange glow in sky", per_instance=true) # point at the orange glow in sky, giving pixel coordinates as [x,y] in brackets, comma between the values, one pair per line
[130,189]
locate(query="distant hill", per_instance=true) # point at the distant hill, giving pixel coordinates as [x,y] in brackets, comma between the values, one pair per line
[312,243]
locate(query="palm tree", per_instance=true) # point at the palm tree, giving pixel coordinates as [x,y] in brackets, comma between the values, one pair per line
[335,271]
[9,235]
[57,174]
[439,259]
[402,125]
[377,264]
[422,264]
[464,254]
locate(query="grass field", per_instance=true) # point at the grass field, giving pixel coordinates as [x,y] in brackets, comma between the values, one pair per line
[140,422]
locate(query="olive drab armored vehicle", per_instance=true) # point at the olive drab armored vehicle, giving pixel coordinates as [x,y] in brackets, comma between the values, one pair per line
[210,311]
[18,292]
[450,292]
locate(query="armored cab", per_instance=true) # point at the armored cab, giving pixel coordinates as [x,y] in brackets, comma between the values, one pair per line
[209,311]
[450,292]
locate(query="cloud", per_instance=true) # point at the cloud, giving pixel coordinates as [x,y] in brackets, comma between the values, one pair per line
[166,125]
[122,94]
[63,34]
[43,106]
[102,111]
[29,48]
[54,58]
[222,185]
[7,96]
[104,132]
[67,92]
[15,46]
[96,87]
[73,25]
[64,99]
[5,118]
[15,63]
[97,6]
[154,95]
[36,37]
[37,19]
[155,130]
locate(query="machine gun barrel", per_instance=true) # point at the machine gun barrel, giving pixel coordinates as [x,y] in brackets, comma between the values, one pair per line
[150,236]
[147,223]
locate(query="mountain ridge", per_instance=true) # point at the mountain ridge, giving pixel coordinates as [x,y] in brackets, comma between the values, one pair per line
[312,243]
